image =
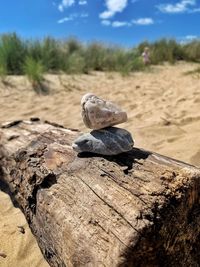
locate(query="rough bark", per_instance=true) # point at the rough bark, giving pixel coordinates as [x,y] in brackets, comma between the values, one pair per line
[135,209]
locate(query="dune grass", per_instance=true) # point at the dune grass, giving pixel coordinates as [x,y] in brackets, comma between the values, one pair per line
[33,57]
[34,70]
[195,72]
[3,74]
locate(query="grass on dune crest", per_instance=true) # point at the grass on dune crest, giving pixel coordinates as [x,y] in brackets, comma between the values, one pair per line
[195,72]
[34,57]
[3,74]
[34,70]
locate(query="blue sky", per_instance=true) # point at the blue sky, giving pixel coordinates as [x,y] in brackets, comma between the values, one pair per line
[125,22]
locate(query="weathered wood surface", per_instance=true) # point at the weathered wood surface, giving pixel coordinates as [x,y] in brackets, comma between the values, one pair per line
[134,209]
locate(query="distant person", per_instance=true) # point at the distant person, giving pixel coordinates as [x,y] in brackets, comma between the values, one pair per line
[146,56]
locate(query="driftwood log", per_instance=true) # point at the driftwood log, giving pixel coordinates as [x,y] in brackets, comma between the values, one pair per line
[135,209]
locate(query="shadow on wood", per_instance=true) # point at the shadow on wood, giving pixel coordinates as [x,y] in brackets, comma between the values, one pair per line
[124,159]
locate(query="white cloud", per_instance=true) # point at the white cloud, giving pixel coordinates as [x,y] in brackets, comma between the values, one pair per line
[64,4]
[106,22]
[72,17]
[194,10]
[188,38]
[117,24]
[113,6]
[60,21]
[82,2]
[179,7]
[191,37]
[143,21]
[106,14]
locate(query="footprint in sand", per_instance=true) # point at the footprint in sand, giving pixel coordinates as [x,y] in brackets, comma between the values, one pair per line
[133,106]
[196,93]
[195,159]
[188,120]
[182,99]
[197,100]
[172,139]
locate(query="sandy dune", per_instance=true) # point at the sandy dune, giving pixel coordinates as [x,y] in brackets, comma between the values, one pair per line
[163,106]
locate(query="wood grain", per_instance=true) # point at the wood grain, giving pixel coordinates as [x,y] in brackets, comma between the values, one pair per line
[135,209]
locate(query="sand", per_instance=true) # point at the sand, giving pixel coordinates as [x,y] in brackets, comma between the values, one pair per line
[163,106]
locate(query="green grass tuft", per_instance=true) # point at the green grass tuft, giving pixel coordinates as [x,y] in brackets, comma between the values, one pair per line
[3,74]
[195,72]
[34,70]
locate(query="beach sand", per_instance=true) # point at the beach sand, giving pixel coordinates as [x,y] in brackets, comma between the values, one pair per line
[163,106]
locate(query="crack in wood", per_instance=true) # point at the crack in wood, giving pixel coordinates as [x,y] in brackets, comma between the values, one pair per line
[121,185]
[96,223]
[110,206]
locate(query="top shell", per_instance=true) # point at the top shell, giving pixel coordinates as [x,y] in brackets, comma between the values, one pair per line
[98,113]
